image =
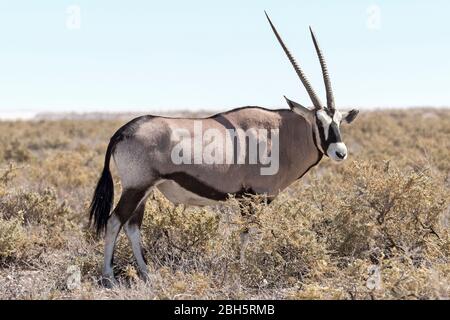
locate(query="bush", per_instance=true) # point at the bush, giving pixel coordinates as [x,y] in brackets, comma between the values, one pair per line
[379,208]
[174,233]
[31,222]
[12,238]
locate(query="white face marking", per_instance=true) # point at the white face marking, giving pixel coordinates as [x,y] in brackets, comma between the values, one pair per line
[326,120]
[337,150]
[337,117]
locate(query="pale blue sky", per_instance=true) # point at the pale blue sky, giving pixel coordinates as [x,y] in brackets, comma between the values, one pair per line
[155,55]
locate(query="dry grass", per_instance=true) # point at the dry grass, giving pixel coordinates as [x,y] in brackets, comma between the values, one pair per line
[376,226]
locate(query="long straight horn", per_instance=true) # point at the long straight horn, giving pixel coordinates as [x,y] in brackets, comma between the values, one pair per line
[314,98]
[326,76]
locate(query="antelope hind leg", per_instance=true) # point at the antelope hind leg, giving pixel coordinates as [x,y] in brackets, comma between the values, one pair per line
[132,229]
[126,207]
[112,231]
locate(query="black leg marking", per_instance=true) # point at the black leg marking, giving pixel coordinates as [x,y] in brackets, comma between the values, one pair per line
[128,203]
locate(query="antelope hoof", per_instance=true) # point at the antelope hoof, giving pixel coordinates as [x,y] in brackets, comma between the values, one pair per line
[144,275]
[109,282]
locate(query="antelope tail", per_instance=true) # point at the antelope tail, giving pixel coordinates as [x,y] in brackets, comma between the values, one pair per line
[103,198]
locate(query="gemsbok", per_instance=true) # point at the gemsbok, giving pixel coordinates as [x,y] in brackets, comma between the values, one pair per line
[154,151]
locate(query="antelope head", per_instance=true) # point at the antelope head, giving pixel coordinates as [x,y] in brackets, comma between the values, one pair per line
[325,120]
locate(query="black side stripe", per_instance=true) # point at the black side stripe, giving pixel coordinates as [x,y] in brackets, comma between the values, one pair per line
[202,189]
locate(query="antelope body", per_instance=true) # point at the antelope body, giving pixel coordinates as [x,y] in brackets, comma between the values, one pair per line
[143,154]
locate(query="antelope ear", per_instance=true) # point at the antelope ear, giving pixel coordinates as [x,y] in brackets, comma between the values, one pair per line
[306,113]
[349,116]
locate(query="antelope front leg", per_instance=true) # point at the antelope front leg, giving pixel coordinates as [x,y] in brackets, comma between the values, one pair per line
[244,236]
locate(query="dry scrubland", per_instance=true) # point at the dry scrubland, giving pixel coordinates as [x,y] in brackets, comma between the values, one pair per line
[376,226]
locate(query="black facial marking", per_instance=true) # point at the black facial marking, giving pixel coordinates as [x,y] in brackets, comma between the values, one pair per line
[321,130]
[333,133]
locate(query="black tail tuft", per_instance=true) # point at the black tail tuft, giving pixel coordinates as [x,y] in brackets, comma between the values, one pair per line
[103,198]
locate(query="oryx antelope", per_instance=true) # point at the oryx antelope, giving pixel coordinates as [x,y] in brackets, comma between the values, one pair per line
[142,154]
